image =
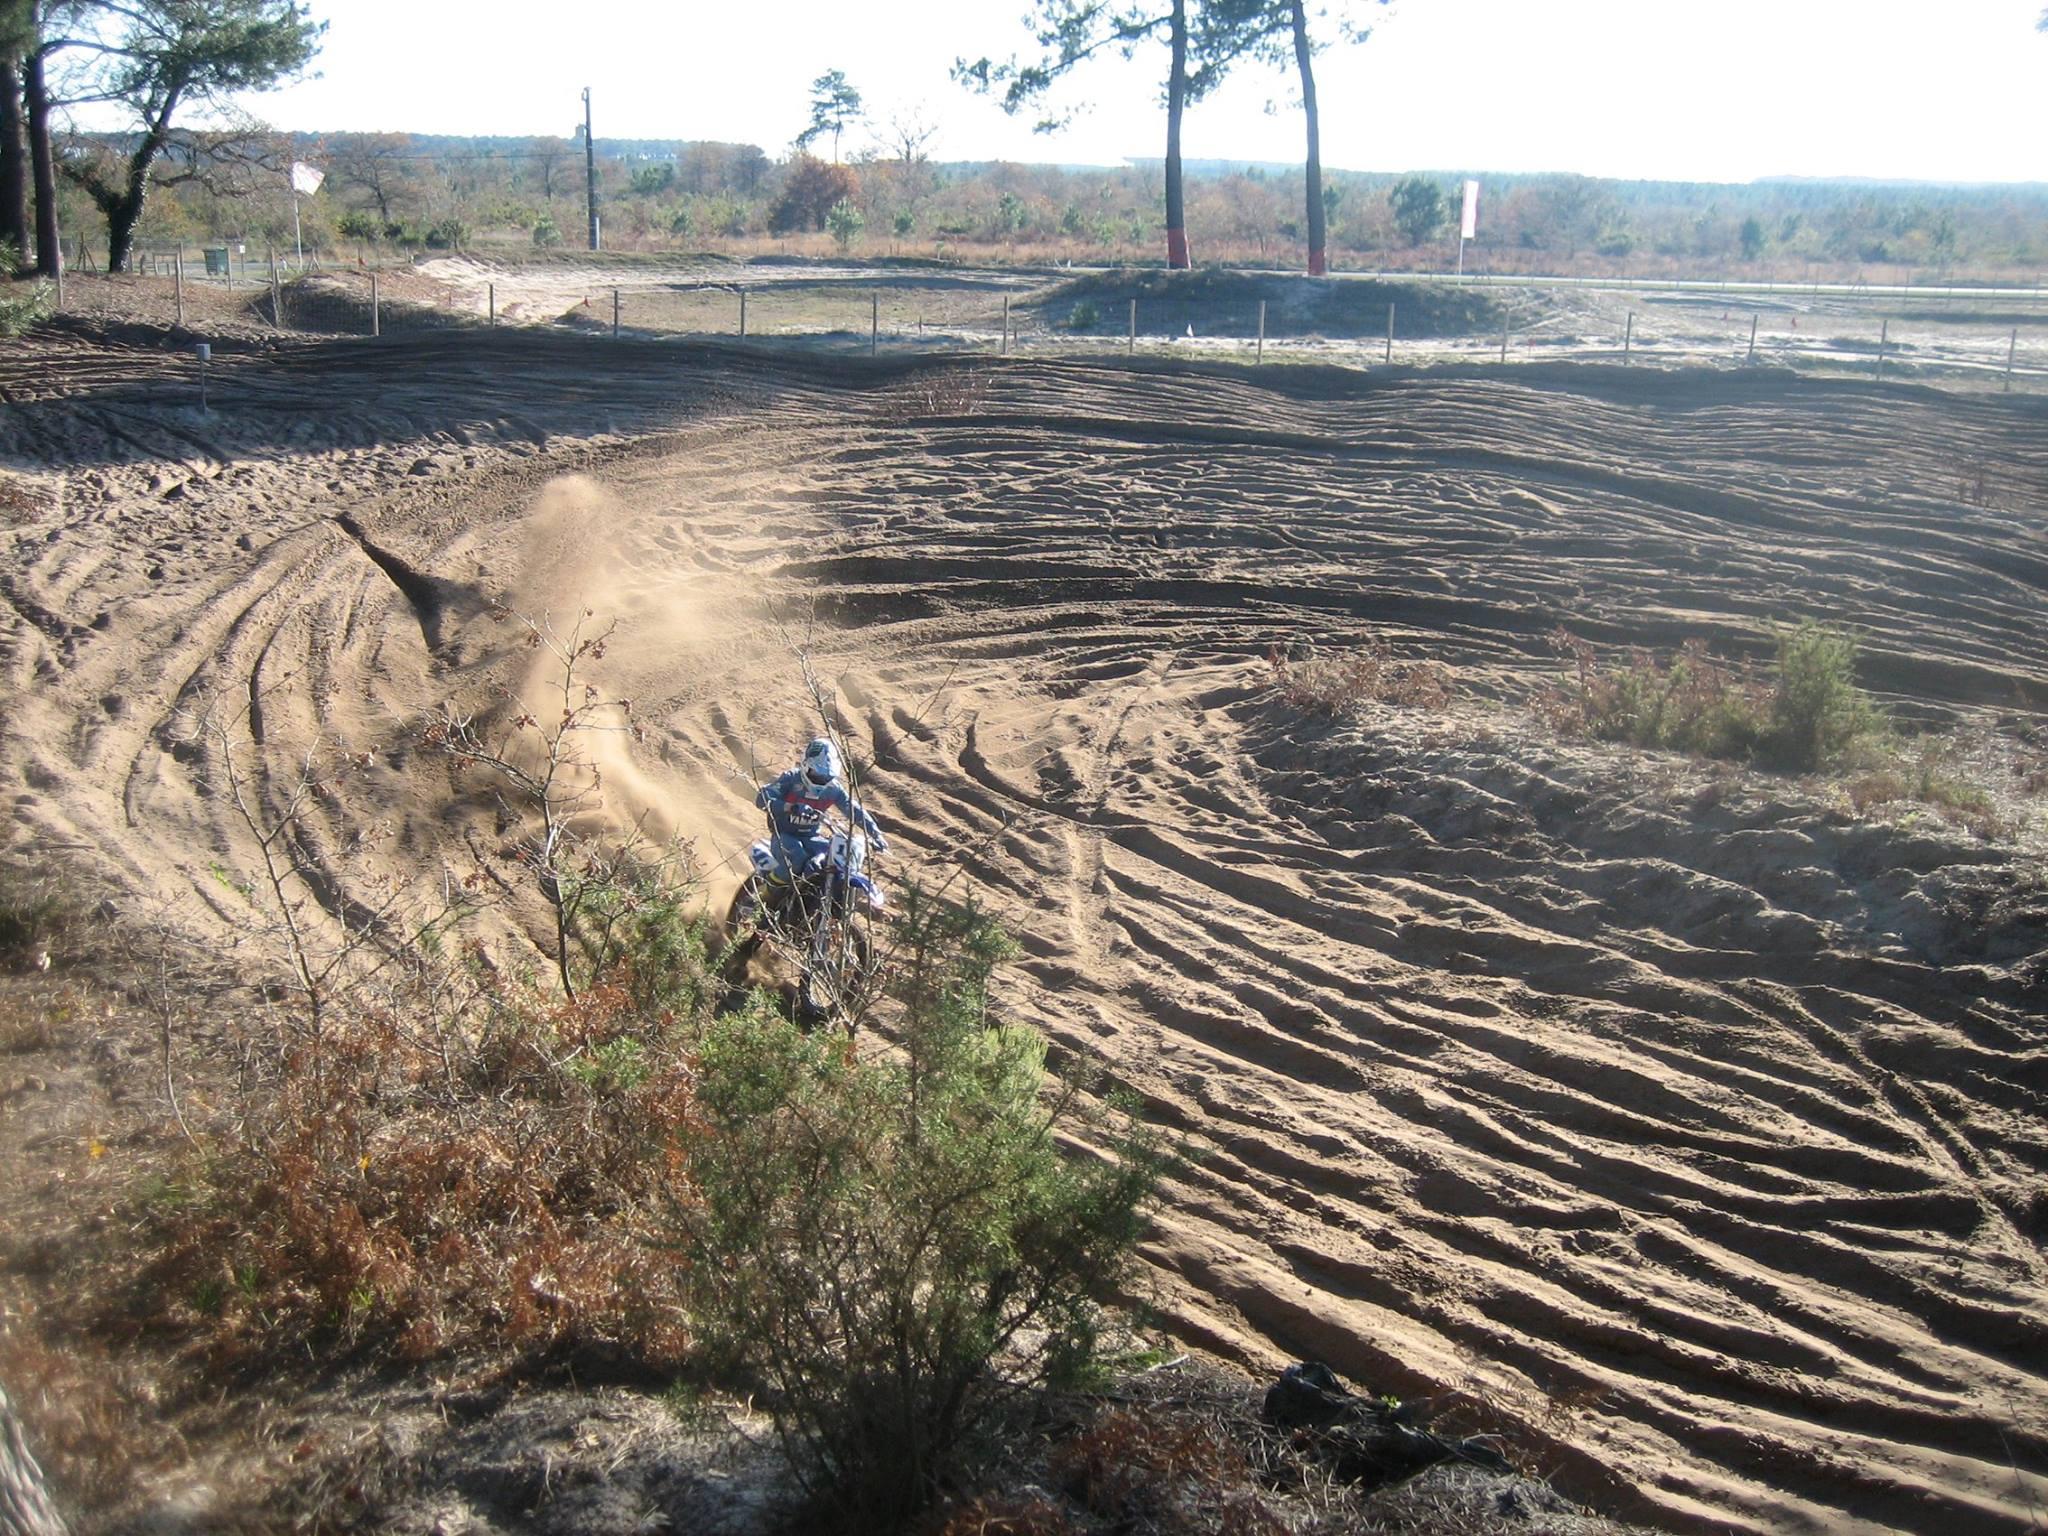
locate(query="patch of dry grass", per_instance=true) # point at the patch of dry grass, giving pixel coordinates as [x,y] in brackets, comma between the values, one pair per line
[1333,684]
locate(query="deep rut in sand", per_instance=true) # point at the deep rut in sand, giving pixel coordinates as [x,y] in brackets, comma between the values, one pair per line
[1695,1124]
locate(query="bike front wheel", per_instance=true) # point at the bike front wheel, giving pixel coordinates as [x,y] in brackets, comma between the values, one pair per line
[838,974]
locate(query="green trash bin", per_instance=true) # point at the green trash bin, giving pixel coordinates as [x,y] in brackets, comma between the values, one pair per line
[217,261]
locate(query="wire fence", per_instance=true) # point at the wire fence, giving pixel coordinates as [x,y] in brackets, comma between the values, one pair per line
[1985,339]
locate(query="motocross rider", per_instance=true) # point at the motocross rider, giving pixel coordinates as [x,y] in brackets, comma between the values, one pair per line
[796,804]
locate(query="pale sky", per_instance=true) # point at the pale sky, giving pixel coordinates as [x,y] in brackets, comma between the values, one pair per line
[1712,90]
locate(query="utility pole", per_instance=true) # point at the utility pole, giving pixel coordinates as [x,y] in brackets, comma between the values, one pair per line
[590,167]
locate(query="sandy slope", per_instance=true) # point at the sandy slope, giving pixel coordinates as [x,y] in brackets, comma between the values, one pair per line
[1693,1122]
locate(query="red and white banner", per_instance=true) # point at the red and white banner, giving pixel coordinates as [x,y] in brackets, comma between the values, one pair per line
[1469,229]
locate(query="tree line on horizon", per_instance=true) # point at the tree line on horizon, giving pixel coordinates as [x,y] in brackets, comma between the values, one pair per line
[395,193]
[162,182]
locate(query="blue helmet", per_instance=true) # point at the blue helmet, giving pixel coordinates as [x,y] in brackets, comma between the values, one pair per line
[821,763]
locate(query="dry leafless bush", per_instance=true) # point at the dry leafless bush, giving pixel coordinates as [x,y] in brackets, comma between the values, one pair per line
[1333,685]
[941,391]
[542,754]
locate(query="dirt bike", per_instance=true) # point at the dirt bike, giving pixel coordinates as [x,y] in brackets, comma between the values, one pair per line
[818,918]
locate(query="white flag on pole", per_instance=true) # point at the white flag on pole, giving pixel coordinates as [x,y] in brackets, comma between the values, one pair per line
[1469,229]
[305,178]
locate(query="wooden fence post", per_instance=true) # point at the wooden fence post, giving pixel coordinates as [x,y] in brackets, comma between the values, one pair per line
[1628,337]
[1390,330]
[178,277]
[615,314]
[1259,355]
[1131,346]
[1006,325]
[743,314]
[276,289]
[874,322]
[1504,341]
[1884,336]
[1752,340]
[2010,348]
[491,297]
[376,309]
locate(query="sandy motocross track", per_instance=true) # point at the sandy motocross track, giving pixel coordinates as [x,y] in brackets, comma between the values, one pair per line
[1683,1115]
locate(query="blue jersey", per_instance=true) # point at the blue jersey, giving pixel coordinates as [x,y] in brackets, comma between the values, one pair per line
[797,807]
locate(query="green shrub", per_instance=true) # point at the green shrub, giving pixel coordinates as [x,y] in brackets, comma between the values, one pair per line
[868,1234]
[1615,240]
[630,918]
[1819,713]
[1811,714]
[547,233]
[1689,704]
[22,304]
[1084,316]
[360,227]
[846,222]
[1418,205]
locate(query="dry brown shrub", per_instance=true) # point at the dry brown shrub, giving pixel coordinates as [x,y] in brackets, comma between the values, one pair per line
[39,1018]
[1334,685]
[1870,790]
[495,1184]
[91,1422]
[1180,1471]
[1007,1515]
[19,501]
